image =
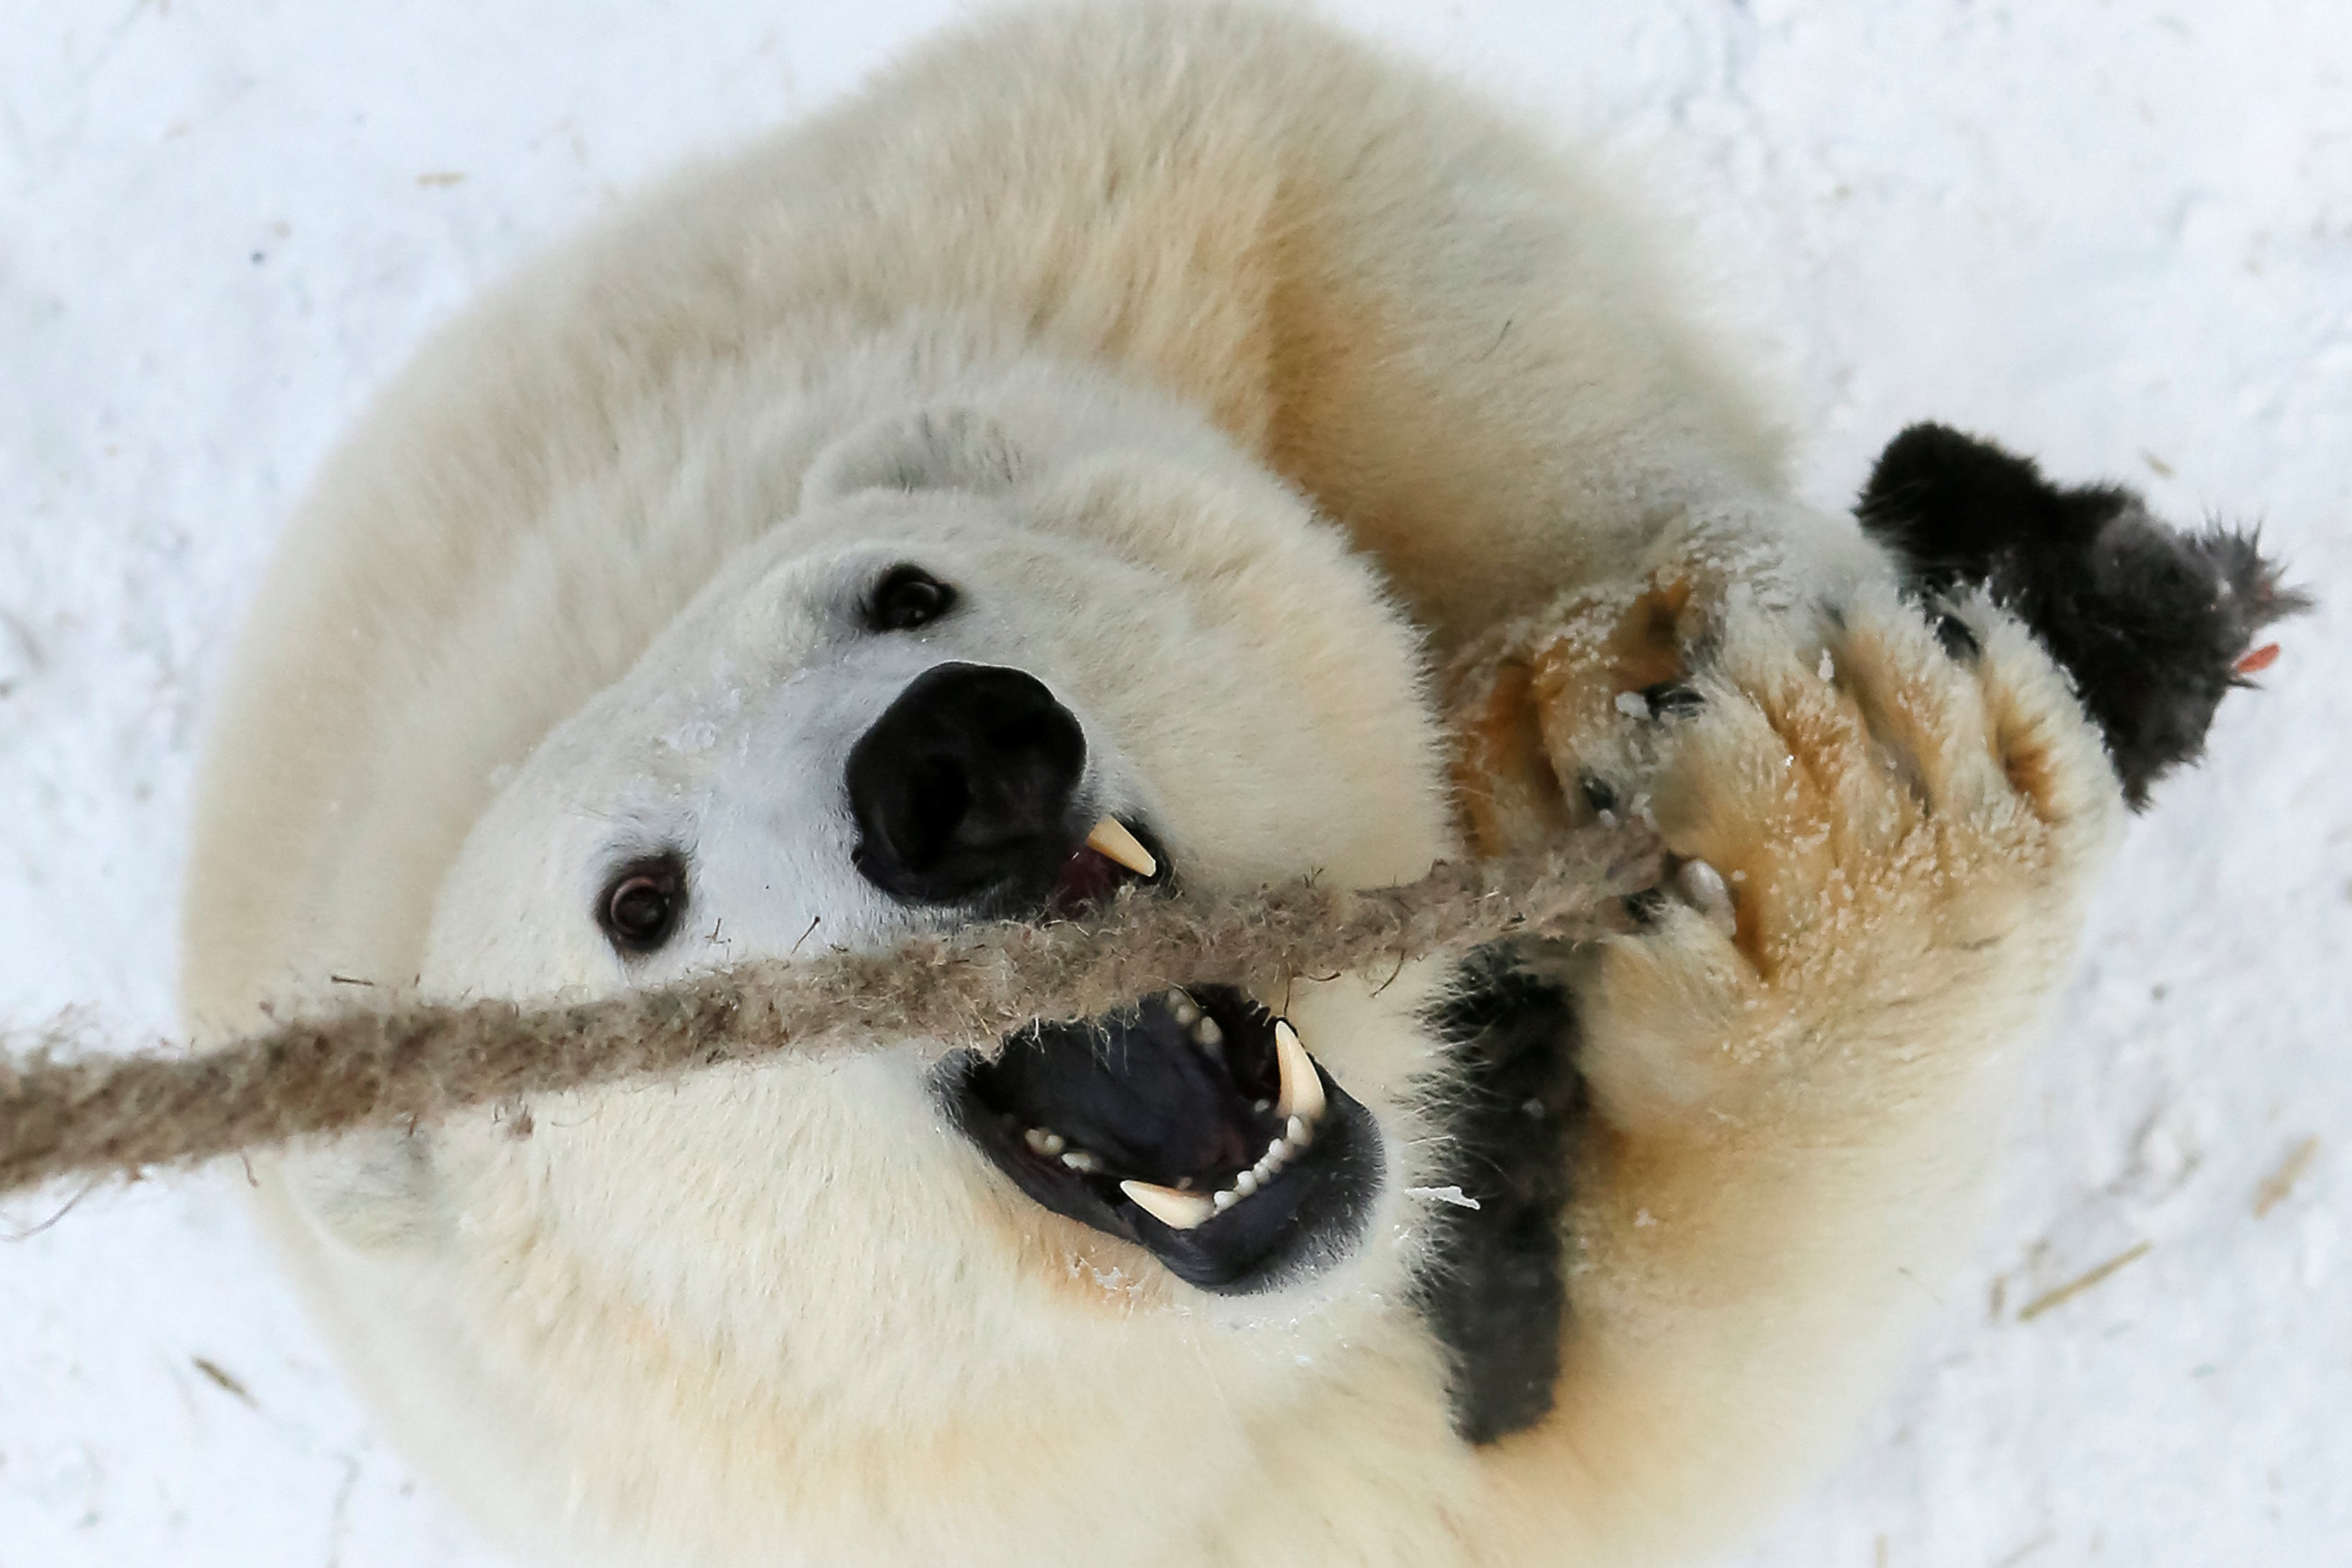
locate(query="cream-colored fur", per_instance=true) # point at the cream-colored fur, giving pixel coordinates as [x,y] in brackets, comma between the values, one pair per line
[1110,309]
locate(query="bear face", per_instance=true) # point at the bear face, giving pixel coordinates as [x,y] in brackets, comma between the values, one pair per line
[882,1234]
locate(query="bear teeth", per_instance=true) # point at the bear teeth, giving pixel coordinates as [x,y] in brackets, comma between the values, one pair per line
[1112,841]
[1177,1211]
[1301,1104]
[1302,1096]
[1302,1087]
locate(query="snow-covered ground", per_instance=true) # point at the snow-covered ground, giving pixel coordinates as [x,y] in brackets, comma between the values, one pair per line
[2118,236]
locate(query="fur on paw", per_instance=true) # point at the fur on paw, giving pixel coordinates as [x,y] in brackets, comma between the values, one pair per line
[1880,826]
[1517,700]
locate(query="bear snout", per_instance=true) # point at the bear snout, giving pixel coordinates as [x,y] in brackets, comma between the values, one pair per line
[963,789]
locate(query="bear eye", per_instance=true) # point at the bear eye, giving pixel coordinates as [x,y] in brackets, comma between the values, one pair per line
[907,597]
[642,904]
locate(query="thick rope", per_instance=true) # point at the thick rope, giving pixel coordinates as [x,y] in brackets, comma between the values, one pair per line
[388,1062]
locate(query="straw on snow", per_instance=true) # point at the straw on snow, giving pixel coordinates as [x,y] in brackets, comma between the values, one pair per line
[396,1060]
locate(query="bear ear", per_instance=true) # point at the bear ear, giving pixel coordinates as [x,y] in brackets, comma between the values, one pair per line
[2152,624]
[938,448]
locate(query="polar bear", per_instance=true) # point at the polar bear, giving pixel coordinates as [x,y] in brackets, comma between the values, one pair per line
[1149,445]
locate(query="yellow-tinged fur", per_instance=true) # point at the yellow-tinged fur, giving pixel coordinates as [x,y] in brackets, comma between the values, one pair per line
[1090,300]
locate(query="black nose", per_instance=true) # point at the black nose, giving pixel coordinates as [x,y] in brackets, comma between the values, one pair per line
[961,789]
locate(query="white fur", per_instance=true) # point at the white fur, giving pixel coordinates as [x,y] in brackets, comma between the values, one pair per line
[1109,317]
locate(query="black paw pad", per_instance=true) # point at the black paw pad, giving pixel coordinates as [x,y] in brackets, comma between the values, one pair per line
[2153,625]
[1495,1287]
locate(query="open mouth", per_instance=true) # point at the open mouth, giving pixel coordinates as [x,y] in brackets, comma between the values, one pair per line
[1193,1122]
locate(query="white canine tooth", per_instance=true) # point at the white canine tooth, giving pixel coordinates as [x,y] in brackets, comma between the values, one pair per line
[1300,1134]
[1079,1160]
[1302,1090]
[1246,1183]
[1224,1200]
[1110,838]
[1703,887]
[1177,1211]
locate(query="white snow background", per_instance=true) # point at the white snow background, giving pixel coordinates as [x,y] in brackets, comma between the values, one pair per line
[2117,235]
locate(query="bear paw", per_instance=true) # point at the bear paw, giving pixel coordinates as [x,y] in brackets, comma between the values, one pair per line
[1878,826]
[1518,698]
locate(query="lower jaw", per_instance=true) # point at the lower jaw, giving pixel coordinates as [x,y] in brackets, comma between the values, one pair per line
[1324,1228]
[1252,1247]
